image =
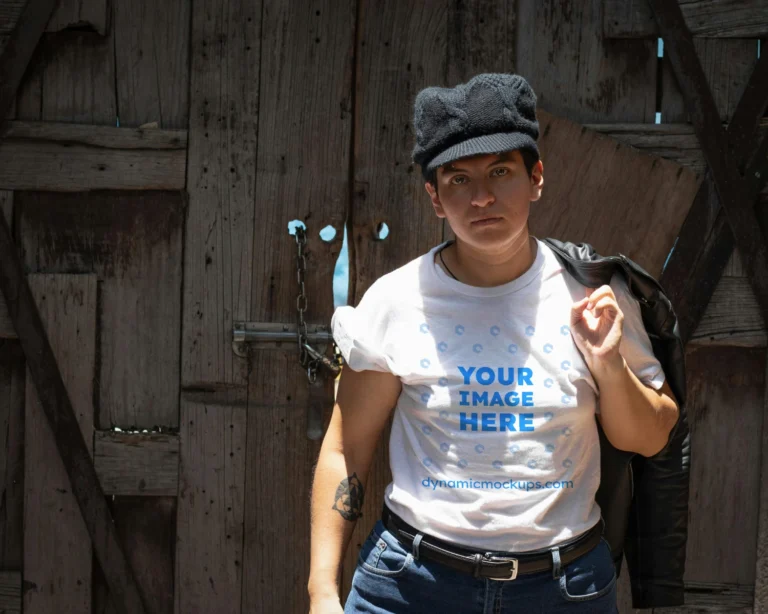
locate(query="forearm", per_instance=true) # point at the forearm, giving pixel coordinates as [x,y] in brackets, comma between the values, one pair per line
[634,417]
[337,498]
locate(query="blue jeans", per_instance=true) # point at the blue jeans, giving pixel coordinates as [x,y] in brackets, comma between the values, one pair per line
[388,579]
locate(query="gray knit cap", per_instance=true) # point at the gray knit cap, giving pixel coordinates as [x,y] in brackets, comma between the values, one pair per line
[491,113]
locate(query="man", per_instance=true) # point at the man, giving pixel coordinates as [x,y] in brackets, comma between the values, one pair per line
[495,361]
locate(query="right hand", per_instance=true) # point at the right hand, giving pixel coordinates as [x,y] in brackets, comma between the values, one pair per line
[326,605]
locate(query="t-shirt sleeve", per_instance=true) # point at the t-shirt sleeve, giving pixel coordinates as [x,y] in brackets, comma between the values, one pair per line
[359,332]
[635,345]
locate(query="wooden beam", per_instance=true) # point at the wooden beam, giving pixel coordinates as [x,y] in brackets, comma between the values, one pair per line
[19,48]
[54,398]
[721,19]
[56,156]
[137,463]
[736,194]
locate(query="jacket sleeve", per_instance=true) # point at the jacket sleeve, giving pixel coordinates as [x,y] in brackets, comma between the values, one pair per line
[655,545]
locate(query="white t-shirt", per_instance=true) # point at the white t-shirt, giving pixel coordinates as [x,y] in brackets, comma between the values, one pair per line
[494,442]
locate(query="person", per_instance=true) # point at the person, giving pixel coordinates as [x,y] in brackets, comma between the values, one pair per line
[496,363]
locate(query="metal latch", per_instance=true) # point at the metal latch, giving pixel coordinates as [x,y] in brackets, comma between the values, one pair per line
[276,336]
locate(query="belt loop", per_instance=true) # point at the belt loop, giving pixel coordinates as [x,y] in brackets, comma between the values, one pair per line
[476,571]
[415,545]
[555,562]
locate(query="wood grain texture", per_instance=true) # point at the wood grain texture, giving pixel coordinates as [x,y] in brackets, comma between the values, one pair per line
[223,132]
[209,543]
[19,48]
[577,73]
[133,243]
[725,411]
[727,65]
[604,193]
[721,18]
[58,167]
[10,592]
[57,547]
[147,527]
[78,79]
[761,558]
[12,385]
[68,13]
[676,142]
[302,172]
[152,59]
[90,14]
[138,464]
[278,483]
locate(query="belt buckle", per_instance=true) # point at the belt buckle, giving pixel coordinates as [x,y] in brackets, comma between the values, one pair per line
[513,575]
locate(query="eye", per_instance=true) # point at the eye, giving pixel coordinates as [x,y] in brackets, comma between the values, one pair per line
[501,168]
[457,177]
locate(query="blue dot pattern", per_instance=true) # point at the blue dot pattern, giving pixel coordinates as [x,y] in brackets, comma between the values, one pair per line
[459,329]
[495,330]
[424,328]
[477,348]
[425,363]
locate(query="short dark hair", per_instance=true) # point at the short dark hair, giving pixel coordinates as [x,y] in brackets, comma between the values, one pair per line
[530,158]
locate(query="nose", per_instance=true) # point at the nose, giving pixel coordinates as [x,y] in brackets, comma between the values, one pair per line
[482,196]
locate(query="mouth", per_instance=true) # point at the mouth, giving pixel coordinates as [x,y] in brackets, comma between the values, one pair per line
[486,221]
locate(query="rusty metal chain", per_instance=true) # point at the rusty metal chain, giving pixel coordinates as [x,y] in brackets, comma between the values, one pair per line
[309,358]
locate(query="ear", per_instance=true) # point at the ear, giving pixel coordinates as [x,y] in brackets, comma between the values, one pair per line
[537,180]
[435,198]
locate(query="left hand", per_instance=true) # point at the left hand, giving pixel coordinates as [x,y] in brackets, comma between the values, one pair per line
[597,330]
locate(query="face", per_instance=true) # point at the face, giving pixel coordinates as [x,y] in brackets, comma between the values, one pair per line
[486,198]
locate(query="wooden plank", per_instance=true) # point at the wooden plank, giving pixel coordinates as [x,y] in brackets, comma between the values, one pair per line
[78,79]
[10,592]
[96,137]
[209,543]
[725,408]
[92,14]
[761,558]
[218,255]
[133,242]
[11,455]
[146,526]
[727,65]
[152,59]
[732,317]
[19,47]
[302,172]
[724,18]
[592,170]
[60,168]
[280,458]
[137,463]
[68,13]
[57,549]
[578,74]
[676,142]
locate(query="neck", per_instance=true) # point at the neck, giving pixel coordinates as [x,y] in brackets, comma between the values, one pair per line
[482,269]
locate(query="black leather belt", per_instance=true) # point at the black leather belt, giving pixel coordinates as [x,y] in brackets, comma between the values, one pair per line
[482,564]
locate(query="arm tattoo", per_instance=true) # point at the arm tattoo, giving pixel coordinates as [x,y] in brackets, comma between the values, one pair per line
[349,498]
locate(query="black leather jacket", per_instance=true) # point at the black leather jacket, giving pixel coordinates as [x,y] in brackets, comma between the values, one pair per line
[644,500]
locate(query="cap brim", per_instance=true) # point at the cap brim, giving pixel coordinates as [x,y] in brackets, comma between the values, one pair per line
[484,144]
